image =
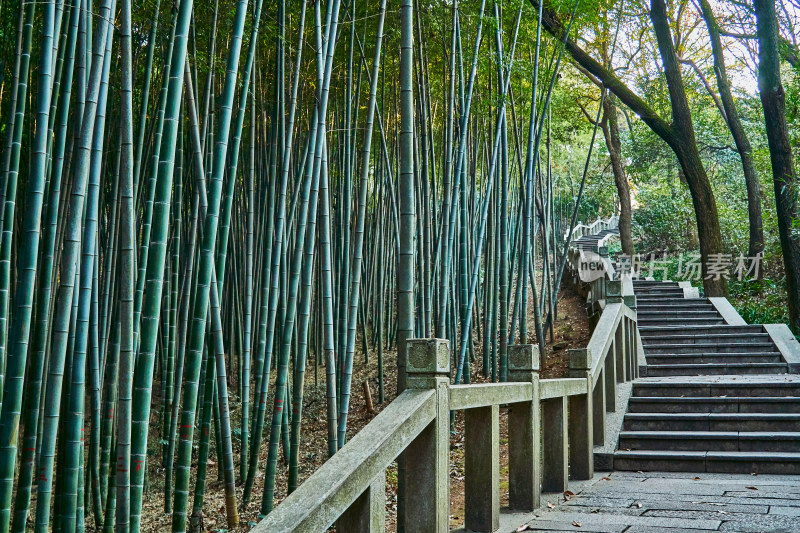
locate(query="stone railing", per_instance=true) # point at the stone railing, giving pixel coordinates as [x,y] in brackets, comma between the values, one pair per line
[595,227]
[553,426]
[596,264]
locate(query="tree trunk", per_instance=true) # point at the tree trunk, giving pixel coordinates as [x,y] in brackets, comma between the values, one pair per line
[684,144]
[756,245]
[784,179]
[679,135]
[610,127]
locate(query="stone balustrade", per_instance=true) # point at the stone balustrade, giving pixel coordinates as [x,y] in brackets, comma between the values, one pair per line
[553,427]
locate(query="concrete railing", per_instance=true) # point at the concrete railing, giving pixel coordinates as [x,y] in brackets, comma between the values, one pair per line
[595,227]
[553,427]
[598,262]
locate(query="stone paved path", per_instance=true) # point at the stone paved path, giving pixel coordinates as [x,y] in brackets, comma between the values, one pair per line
[668,502]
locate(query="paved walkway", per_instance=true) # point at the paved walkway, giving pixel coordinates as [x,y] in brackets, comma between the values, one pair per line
[668,502]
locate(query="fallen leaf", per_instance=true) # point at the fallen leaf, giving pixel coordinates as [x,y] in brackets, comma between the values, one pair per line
[576,523]
[551,505]
[638,505]
[696,478]
[568,494]
[523,527]
[605,478]
[751,488]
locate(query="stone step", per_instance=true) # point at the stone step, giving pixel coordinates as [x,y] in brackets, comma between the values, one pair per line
[659,293]
[667,300]
[681,321]
[733,369]
[692,337]
[723,404]
[745,387]
[655,331]
[686,306]
[712,461]
[715,359]
[731,441]
[711,422]
[651,348]
[672,304]
[654,314]
[690,305]
[660,303]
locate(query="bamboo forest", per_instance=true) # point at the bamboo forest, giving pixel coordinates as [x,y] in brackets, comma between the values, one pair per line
[222,221]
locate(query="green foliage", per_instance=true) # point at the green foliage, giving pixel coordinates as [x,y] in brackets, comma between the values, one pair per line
[760,302]
[664,220]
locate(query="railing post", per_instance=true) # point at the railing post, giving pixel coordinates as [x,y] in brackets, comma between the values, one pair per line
[613,289]
[621,341]
[555,468]
[633,332]
[368,513]
[610,378]
[602,251]
[524,419]
[581,434]
[599,409]
[630,301]
[482,469]
[614,296]
[427,458]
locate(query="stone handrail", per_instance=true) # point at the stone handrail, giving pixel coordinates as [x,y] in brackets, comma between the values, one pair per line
[553,427]
[575,257]
[358,469]
[595,227]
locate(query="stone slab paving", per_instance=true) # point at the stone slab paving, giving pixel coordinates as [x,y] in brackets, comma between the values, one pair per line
[668,502]
[752,378]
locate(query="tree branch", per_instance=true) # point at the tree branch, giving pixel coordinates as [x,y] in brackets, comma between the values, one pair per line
[555,27]
[706,85]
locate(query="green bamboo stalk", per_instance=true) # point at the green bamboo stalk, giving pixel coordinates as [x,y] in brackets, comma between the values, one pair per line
[197,331]
[359,243]
[11,176]
[72,448]
[274,273]
[64,298]
[26,280]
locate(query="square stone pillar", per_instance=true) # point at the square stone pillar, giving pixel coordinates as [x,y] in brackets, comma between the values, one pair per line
[599,410]
[555,468]
[633,331]
[613,291]
[482,469]
[368,513]
[524,435]
[610,374]
[427,459]
[621,354]
[581,434]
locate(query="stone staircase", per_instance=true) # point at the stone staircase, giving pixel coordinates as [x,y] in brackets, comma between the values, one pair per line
[688,336]
[589,243]
[734,426]
[717,396]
